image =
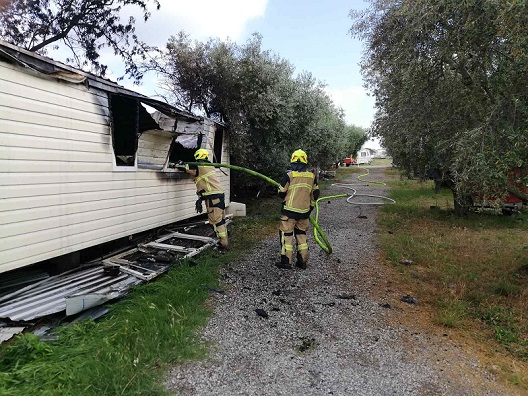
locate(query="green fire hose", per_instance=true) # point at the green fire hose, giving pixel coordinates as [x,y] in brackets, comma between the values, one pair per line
[319,235]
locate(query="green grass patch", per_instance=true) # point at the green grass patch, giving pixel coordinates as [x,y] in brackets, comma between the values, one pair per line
[452,312]
[130,349]
[381,162]
[472,269]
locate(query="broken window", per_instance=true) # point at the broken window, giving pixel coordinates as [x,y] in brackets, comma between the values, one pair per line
[129,120]
[125,129]
[184,146]
[218,144]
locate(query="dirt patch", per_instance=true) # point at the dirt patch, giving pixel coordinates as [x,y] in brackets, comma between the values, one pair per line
[446,343]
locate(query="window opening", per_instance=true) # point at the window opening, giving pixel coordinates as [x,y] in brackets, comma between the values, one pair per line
[218,140]
[125,129]
[184,146]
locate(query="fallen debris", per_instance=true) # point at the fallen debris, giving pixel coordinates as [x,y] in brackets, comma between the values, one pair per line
[409,299]
[6,333]
[49,296]
[260,312]
[307,343]
[345,296]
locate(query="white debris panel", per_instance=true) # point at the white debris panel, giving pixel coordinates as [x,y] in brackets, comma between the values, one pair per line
[49,296]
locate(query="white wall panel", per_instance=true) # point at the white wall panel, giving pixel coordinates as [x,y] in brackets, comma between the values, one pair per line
[59,191]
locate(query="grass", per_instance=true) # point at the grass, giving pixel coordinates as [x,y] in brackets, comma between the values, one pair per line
[381,162]
[473,271]
[130,349]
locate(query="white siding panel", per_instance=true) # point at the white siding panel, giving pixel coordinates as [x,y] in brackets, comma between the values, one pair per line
[23,116]
[11,179]
[126,187]
[27,128]
[37,200]
[120,222]
[34,252]
[59,191]
[70,219]
[52,166]
[59,108]
[153,148]
[51,143]
[42,85]
[62,155]
[14,95]
[53,210]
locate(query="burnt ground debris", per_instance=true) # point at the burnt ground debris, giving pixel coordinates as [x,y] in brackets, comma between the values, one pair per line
[319,342]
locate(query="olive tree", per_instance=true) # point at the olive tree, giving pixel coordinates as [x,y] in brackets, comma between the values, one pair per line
[450,87]
[85,27]
[270,111]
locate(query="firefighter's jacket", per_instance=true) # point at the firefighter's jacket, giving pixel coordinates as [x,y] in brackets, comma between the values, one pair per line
[299,190]
[207,183]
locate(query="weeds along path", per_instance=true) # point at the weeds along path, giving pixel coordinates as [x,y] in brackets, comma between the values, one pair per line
[331,329]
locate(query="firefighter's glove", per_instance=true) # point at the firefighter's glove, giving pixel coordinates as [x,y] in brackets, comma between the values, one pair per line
[198,206]
[180,165]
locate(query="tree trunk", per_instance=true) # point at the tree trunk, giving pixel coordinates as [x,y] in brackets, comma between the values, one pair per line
[462,202]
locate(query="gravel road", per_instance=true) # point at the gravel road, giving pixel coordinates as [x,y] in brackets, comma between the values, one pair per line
[332,329]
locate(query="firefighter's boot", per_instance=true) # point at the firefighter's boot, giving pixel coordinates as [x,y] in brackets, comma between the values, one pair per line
[300,263]
[284,263]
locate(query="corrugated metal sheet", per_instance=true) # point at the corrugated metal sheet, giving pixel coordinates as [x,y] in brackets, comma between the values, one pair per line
[49,296]
[13,281]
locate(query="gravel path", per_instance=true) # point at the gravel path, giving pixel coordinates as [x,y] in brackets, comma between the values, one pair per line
[330,331]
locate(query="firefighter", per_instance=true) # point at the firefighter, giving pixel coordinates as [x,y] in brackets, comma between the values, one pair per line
[209,189]
[299,190]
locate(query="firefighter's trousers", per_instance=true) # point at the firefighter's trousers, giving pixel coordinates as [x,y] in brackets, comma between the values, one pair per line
[216,216]
[288,229]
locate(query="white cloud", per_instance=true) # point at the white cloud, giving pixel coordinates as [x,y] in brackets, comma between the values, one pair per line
[199,18]
[358,106]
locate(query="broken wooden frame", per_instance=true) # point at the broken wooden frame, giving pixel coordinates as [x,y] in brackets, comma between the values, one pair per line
[147,271]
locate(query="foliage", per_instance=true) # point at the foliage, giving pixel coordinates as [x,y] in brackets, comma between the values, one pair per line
[85,27]
[450,86]
[270,112]
[471,270]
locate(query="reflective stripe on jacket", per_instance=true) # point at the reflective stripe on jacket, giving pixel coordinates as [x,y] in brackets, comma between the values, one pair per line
[299,193]
[206,180]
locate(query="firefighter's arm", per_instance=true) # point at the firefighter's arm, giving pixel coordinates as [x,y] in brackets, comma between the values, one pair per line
[285,183]
[315,190]
[180,165]
[315,195]
[190,169]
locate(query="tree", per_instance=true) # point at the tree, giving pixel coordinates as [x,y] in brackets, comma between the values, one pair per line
[450,86]
[85,27]
[270,112]
[353,138]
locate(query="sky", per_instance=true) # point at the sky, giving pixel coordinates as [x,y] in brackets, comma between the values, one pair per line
[311,34]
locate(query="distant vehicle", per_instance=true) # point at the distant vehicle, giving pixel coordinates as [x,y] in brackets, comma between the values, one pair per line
[509,203]
[365,156]
[349,160]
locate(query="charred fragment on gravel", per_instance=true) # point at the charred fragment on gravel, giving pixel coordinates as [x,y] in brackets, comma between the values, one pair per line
[307,343]
[346,296]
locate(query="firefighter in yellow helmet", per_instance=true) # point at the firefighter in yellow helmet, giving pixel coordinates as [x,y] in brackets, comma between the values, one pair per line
[299,190]
[209,189]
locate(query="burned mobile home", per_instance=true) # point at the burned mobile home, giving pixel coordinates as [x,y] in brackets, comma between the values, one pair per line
[84,161]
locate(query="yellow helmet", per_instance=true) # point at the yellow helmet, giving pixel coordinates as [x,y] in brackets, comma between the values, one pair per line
[299,156]
[201,154]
